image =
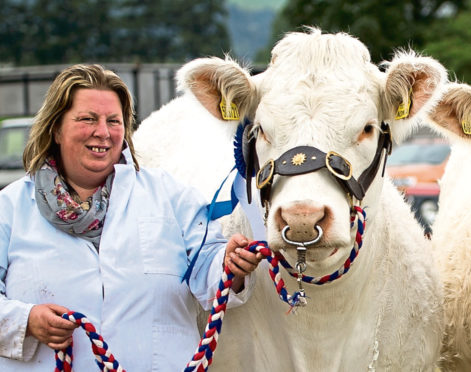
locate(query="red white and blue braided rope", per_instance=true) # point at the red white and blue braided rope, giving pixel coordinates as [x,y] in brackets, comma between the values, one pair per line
[202,358]
[105,360]
[346,266]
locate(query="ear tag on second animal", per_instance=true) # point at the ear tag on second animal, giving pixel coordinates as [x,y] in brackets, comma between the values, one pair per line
[403,109]
[227,113]
[466,125]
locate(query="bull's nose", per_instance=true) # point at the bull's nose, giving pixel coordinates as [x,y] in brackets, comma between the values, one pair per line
[303,243]
[304,221]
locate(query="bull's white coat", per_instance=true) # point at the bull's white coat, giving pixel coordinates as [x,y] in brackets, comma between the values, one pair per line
[451,231]
[319,90]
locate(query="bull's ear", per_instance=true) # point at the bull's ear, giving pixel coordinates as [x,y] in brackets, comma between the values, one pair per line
[452,115]
[223,87]
[413,86]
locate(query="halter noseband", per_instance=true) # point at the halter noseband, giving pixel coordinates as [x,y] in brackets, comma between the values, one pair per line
[306,159]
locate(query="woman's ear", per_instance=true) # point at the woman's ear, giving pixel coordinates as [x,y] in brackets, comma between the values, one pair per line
[56,134]
[56,131]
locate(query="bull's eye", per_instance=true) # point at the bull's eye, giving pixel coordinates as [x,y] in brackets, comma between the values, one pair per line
[368,129]
[262,134]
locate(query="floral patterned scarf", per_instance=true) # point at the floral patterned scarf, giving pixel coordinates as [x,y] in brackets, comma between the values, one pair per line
[67,213]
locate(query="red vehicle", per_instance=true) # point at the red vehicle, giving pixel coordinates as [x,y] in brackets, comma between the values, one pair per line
[415,168]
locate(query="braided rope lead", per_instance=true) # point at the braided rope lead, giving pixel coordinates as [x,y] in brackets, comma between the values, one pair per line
[105,360]
[203,356]
[204,353]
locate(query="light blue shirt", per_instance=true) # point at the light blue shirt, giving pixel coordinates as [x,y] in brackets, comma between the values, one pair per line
[131,290]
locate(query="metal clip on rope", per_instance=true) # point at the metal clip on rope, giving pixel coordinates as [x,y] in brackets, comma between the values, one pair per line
[301,260]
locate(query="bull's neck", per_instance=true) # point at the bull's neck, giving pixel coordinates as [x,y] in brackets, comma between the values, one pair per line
[351,307]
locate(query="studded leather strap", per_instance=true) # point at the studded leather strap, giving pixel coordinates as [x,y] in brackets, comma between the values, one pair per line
[306,159]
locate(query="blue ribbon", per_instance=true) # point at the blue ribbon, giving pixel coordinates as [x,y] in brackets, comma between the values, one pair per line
[215,211]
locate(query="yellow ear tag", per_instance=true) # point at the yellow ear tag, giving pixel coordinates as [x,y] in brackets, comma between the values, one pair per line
[466,125]
[403,109]
[231,113]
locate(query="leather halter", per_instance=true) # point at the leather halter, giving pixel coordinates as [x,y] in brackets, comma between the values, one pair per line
[306,159]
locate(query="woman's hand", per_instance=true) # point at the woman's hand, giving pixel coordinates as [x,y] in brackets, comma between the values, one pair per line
[46,324]
[240,261]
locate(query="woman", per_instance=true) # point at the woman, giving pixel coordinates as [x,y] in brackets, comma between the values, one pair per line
[86,230]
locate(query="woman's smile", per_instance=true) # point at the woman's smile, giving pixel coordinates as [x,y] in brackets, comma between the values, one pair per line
[97,149]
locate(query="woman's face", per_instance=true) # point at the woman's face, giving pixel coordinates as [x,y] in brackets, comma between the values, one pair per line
[91,137]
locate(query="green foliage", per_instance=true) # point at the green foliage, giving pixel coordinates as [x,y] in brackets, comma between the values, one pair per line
[45,31]
[172,30]
[449,42]
[259,4]
[381,24]
[56,31]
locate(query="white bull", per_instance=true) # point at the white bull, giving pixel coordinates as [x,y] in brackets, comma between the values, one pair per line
[451,238]
[321,91]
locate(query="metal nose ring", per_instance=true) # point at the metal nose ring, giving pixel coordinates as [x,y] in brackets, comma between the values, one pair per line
[301,244]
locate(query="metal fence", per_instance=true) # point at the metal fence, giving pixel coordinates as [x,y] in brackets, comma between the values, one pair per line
[22,89]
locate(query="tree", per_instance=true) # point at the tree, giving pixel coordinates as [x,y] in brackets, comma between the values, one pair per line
[171,30]
[380,24]
[449,41]
[53,31]
[13,23]
[45,32]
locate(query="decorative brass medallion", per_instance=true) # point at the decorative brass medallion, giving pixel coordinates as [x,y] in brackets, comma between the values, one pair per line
[298,159]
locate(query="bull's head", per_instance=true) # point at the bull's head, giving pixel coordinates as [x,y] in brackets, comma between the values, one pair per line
[322,97]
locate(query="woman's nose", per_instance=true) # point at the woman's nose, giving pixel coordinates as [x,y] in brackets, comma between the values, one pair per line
[101,129]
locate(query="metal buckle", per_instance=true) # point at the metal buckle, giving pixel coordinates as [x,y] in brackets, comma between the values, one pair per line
[387,133]
[336,174]
[263,183]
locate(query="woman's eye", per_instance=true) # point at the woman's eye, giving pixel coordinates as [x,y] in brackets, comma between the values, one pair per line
[114,122]
[87,120]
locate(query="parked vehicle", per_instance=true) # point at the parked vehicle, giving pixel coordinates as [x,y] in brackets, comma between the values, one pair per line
[415,168]
[13,136]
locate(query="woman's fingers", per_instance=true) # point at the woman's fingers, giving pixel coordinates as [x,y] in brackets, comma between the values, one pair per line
[242,262]
[60,344]
[46,324]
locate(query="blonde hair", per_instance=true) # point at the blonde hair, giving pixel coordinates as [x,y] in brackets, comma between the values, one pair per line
[59,99]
